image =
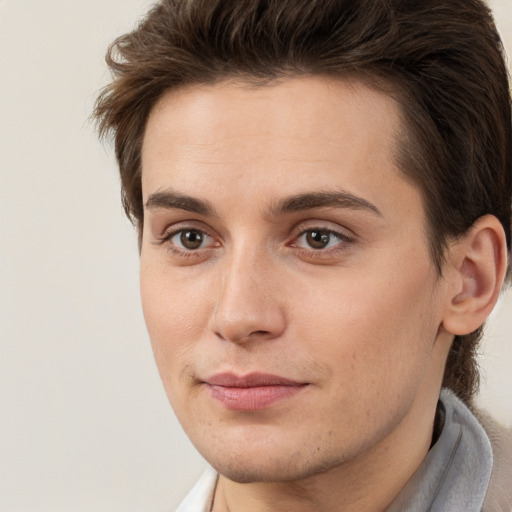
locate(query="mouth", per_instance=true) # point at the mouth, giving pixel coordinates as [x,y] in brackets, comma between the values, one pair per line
[251,392]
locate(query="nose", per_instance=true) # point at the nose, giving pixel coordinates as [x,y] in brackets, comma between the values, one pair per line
[249,305]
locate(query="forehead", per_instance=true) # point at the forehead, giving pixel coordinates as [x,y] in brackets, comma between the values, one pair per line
[298,134]
[303,107]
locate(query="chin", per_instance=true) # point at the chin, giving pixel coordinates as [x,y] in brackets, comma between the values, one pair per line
[279,467]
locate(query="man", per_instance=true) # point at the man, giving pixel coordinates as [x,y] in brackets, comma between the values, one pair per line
[322,191]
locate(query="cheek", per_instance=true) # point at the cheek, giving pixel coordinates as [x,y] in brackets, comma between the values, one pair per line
[374,349]
[368,328]
[175,317]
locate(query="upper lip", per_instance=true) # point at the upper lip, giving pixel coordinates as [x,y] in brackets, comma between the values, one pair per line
[231,380]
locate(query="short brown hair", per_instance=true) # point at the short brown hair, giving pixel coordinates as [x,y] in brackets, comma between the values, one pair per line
[441,59]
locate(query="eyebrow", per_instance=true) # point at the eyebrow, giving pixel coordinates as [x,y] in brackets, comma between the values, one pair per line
[169,199]
[309,201]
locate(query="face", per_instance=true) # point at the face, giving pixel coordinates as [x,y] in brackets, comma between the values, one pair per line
[291,301]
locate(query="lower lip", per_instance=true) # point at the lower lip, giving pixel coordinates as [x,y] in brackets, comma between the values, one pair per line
[252,398]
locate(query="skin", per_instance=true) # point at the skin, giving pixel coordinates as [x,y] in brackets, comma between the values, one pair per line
[359,321]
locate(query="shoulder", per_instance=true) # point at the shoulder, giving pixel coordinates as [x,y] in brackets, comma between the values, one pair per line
[499,494]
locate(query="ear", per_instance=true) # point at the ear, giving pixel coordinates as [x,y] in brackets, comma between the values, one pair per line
[477,266]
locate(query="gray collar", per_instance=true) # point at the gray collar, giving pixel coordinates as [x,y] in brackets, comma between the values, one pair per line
[456,472]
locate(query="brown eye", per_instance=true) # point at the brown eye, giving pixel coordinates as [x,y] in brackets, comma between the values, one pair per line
[317,239]
[191,239]
[321,240]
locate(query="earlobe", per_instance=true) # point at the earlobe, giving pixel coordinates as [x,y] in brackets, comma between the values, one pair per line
[479,263]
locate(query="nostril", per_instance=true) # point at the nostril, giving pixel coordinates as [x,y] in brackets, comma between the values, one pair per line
[240,337]
[259,333]
[219,335]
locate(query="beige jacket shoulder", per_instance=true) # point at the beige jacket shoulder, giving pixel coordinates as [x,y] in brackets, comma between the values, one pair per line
[499,495]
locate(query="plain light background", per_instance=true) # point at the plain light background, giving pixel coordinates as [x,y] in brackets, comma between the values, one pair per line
[84,422]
